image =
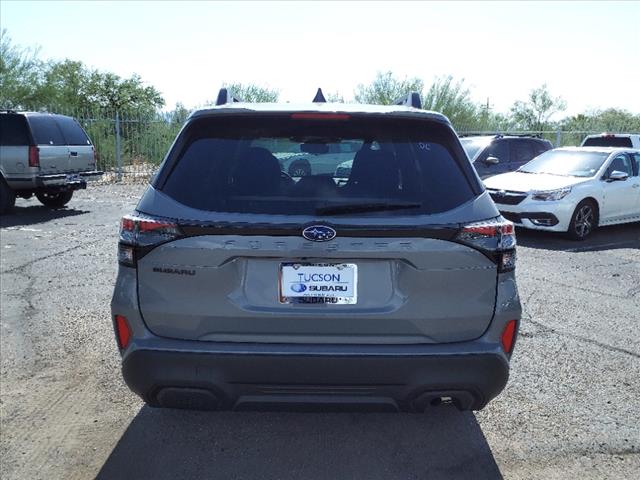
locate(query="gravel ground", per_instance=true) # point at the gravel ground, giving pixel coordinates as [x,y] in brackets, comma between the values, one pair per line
[570,409]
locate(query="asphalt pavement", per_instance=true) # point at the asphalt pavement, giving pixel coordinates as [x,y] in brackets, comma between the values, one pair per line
[570,409]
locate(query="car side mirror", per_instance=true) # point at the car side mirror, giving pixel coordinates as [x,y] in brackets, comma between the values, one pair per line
[618,176]
[491,160]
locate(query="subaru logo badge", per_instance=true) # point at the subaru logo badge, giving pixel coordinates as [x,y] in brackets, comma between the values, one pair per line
[299,287]
[319,233]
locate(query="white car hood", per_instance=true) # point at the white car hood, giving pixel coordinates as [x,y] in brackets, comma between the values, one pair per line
[526,182]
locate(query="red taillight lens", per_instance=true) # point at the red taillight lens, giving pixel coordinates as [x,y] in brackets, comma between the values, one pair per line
[34,156]
[508,336]
[139,232]
[123,331]
[320,116]
[490,229]
[496,238]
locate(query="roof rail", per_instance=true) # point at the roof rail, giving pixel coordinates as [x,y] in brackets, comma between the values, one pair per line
[225,96]
[319,98]
[7,110]
[477,134]
[412,99]
[531,135]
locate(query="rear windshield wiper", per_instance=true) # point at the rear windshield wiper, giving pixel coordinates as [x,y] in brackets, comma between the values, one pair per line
[364,207]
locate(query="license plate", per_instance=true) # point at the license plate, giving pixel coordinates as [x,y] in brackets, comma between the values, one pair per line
[335,284]
[73,178]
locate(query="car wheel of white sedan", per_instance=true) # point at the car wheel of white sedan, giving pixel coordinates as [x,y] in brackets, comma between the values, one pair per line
[584,220]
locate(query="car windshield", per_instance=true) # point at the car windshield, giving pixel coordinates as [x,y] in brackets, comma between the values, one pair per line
[566,163]
[282,165]
[473,145]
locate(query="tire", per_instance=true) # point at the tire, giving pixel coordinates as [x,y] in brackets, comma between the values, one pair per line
[55,200]
[7,197]
[299,169]
[583,221]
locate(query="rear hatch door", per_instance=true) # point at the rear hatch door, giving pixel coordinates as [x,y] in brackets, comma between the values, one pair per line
[229,277]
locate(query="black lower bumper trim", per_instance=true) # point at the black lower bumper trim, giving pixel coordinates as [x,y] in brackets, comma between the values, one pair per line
[539,218]
[361,382]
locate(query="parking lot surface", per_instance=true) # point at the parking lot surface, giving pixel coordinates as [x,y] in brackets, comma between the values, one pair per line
[570,409]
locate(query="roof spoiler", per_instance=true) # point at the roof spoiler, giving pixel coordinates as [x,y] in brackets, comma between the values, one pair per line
[225,95]
[411,100]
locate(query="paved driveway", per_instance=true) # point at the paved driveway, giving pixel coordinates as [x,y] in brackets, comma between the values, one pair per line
[570,409]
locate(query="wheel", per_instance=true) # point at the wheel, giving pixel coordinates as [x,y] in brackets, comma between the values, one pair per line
[300,169]
[583,221]
[55,200]
[7,197]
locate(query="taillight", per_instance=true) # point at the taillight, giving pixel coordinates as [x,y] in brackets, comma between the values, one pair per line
[508,336]
[123,331]
[139,234]
[495,238]
[34,156]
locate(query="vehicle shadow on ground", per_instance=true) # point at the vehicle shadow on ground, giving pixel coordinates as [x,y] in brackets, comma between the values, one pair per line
[32,215]
[604,238]
[168,444]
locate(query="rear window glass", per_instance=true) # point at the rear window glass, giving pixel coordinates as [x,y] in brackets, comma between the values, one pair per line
[309,167]
[45,130]
[13,130]
[72,132]
[607,142]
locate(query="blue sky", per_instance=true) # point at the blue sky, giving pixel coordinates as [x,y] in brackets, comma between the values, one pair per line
[587,52]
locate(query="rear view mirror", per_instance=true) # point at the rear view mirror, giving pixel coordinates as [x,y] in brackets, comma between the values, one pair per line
[491,160]
[617,176]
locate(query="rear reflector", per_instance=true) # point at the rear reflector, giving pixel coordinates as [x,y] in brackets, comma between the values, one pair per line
[34,156]
[123,331]
[508,336]
[320,116]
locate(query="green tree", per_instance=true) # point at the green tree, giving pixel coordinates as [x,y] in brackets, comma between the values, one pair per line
[21,74]
[335,97]
[386,89]
[253,93]
[609,120]
[179,114]
[108,90]
[65,85]
[535,113]
[452,99]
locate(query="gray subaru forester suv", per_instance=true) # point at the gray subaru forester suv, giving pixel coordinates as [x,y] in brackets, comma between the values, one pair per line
[243,287]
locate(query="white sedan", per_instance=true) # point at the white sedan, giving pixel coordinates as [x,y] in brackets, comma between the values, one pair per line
[572,189]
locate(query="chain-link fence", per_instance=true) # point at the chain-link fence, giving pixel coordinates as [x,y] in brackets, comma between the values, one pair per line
[131,145]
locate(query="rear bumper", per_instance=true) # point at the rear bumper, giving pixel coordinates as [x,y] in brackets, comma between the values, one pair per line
[380,378]
[233,375]
[68,181]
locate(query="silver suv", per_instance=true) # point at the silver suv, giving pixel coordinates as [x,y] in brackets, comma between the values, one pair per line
[242,287]
[43,154]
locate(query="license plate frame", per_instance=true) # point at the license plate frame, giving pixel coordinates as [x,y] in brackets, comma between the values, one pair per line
[308,293]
